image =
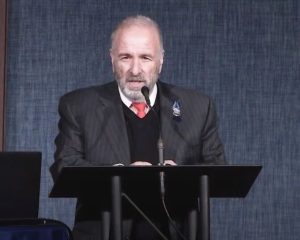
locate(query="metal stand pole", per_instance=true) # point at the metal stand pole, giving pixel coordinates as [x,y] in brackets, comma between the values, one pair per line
[192,224]
[105,218]
[204,208]
[116,208]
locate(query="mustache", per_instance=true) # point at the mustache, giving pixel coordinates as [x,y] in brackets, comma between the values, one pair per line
[135,79]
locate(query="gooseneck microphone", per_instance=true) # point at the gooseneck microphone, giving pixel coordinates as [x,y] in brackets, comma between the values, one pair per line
[160,144]
[160,147]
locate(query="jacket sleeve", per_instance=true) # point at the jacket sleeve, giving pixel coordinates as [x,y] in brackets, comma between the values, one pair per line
[69,141]
[212,147]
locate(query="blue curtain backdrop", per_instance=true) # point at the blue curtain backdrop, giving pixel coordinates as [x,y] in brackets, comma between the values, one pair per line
[244,53]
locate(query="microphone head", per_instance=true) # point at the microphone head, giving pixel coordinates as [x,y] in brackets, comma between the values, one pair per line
[145,91]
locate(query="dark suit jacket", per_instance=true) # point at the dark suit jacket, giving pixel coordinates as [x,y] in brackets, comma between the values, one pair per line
[92,131]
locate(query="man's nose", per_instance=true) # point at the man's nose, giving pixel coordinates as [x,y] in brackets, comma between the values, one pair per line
[135,67]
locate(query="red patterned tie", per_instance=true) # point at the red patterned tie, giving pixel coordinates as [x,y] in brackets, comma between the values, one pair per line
[140,107]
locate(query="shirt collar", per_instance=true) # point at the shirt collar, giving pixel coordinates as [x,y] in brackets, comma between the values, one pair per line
[128,102]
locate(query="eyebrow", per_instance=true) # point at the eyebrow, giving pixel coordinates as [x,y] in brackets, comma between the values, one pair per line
[140,55]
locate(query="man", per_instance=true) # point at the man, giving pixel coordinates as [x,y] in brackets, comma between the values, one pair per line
[103,125]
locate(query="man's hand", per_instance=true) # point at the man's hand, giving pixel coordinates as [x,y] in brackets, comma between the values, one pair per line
[169,162]
[143,163]
[140,163]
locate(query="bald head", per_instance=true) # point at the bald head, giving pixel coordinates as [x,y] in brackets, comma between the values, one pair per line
[137,21]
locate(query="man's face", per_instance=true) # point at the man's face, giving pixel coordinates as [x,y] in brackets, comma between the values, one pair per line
[137,60]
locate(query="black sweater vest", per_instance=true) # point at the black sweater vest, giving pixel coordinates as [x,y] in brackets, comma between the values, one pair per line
[143,134]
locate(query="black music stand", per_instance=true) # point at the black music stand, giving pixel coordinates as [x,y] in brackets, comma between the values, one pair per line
[184,183]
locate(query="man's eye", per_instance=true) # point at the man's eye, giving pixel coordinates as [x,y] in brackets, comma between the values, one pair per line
[124,57]
[147,58]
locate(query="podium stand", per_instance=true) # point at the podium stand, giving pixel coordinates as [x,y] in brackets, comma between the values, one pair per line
[184,184]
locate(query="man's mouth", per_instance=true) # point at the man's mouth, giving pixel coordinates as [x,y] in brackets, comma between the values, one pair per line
[135,80]
[135,84]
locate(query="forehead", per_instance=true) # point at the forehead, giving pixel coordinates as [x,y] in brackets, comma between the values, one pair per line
[137,37]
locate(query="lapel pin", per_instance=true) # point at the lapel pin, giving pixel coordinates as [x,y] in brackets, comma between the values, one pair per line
[176,109]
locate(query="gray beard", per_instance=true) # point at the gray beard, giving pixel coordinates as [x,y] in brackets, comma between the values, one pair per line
[135,96]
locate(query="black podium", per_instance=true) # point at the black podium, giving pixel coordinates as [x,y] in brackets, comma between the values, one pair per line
[183,184]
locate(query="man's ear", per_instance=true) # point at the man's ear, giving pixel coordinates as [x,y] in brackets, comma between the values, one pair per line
[161,61]
[112,59]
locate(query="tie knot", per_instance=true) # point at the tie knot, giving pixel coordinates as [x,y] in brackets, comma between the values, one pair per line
[140,107]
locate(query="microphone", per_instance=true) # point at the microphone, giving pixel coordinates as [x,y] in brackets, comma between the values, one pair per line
[145,92]
[160,144]
[160,147]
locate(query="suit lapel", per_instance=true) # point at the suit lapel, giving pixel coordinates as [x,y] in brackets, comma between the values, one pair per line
[115,130]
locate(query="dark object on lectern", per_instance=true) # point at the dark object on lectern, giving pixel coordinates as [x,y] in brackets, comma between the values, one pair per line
[184,185]
[19,184]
